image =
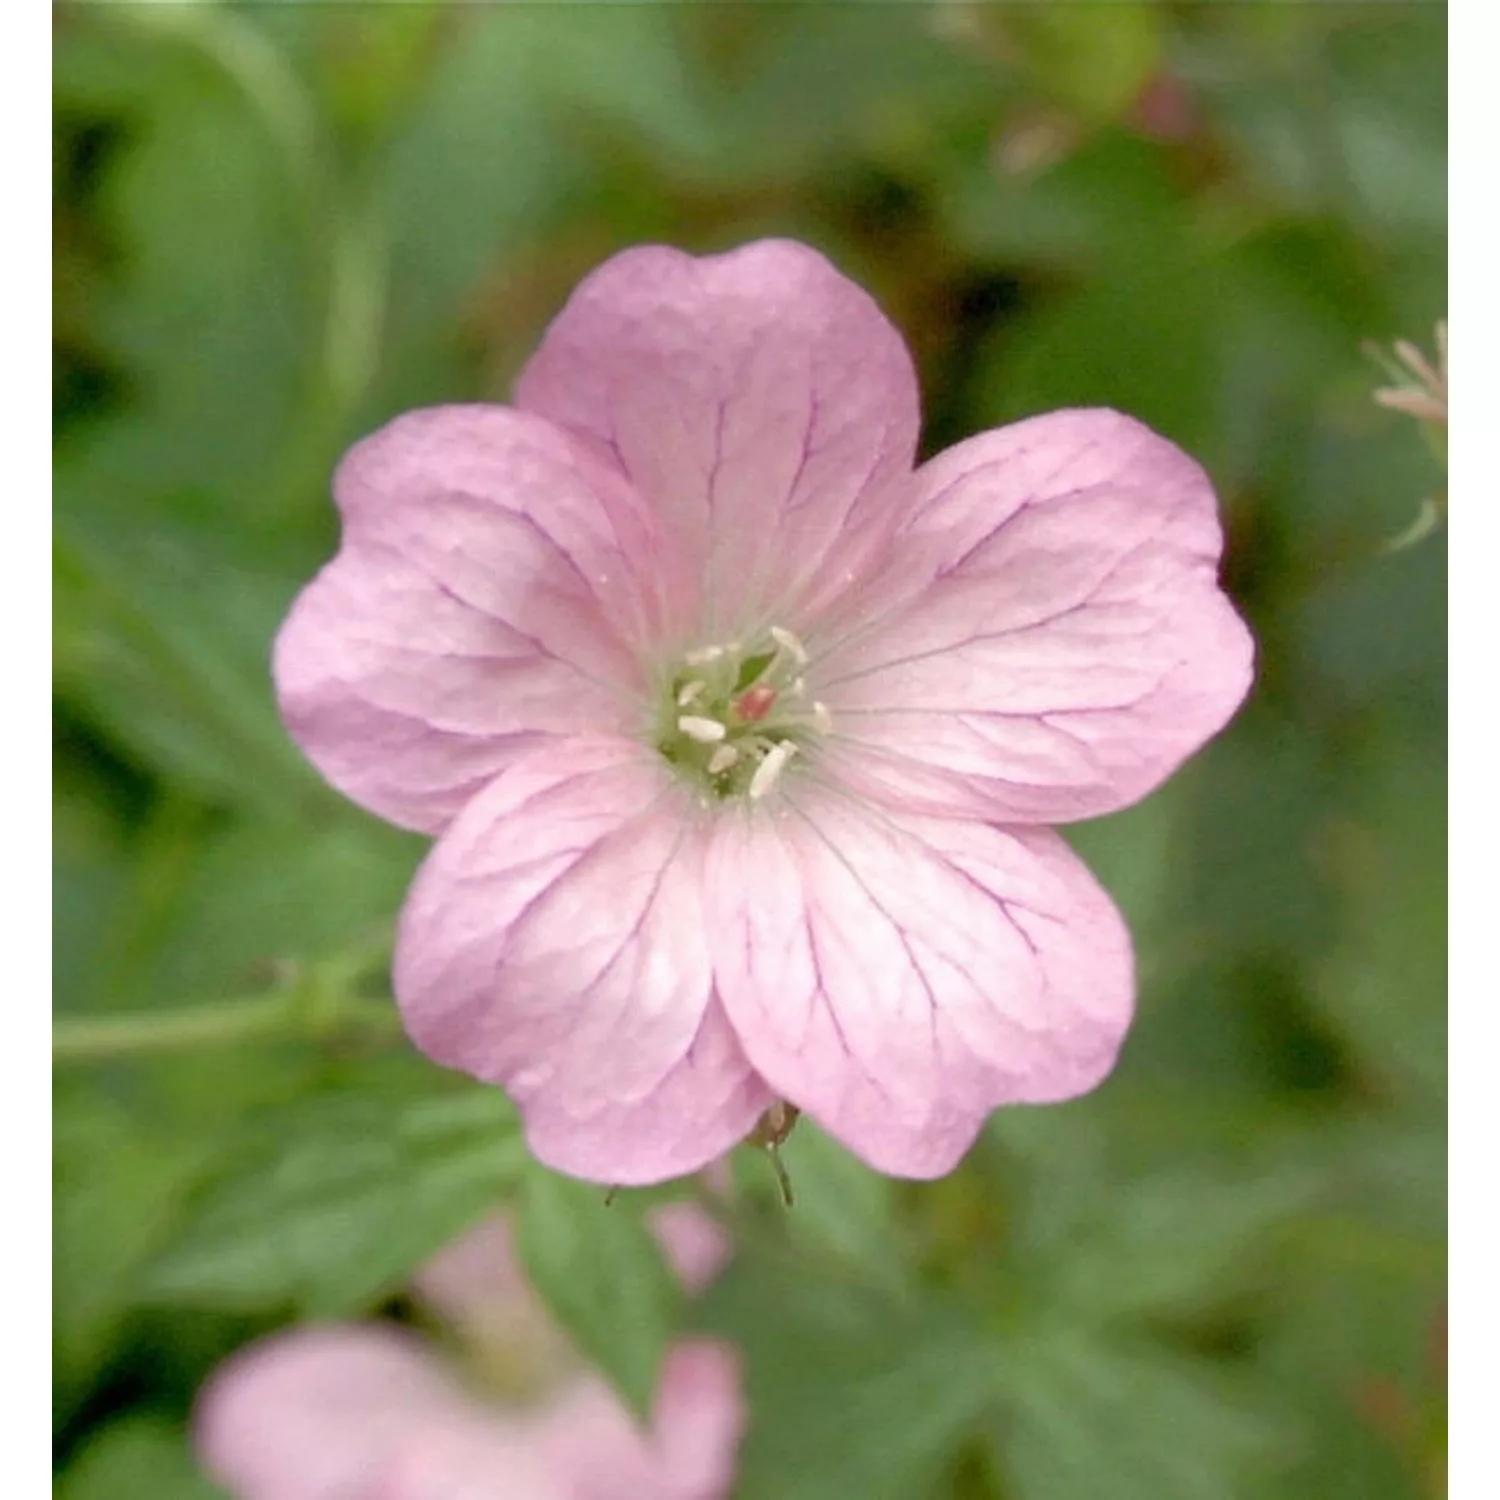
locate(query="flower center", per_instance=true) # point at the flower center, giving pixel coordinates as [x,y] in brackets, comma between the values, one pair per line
[736,714]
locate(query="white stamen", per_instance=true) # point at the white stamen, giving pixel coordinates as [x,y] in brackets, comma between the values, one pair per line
[688,692]
[767,772]
[790,644]
[705,731]
[721,760]
[703,655]
[822,719]
[798,687]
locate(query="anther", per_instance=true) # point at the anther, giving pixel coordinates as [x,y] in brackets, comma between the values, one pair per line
[722,759]
[689,692]
[822,719]
[790,644]
[703,655]
[705,731]
[769,770]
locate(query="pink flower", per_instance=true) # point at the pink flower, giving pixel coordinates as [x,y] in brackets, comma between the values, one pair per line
[371,1412]
[739,735]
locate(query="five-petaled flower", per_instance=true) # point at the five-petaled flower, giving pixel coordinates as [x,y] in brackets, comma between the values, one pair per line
[740,735]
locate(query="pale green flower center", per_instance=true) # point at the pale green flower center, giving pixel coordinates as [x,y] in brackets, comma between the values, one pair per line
[734,716]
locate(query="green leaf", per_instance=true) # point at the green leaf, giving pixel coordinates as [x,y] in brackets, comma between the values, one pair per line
[261,893]
[117,1191]
[139,1458]
[843,1208]
[1113,1243]
[163,639]
[211,311]
[1383,982]
[337,1198]
[1177,1242]
[603,1277]
[853,1390]
[1082,1419]
[1095,59]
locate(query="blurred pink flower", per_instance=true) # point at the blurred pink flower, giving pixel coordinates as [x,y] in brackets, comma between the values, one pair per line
[740,734]
[371,1411]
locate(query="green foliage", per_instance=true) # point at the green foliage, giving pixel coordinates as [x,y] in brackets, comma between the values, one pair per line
[853,1390]
[139,1458]
[603,1277]
[1219,1277]
[333,1201]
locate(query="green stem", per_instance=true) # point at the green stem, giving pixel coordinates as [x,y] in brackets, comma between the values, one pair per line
[223,1023]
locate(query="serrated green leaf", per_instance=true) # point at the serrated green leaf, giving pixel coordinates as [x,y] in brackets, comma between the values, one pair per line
[338,1198]
[1084,1419]
[603,1277]
[853,1390]
[1173,1243]
[1115,1244]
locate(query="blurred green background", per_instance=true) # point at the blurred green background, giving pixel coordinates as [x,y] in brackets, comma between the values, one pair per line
[275,226]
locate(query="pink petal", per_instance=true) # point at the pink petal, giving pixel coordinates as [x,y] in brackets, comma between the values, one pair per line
[760,402]
[554,942]
[477,1283]
[358,1413]
[899,976]
[1071,645]
[689,1452]
[695,1242]
[478,606]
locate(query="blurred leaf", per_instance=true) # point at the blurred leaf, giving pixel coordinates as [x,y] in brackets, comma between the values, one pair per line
[1377,638]
[1173,1243]
[211,309]
[138,1458]
[1384,980]
[1110,200]
[90,871]
[1112,1243]
[335,1200]
[1086,1419]
[117,1191]
[872,84]
[852,1391]
[265,893]
[842,1206]
[604,1279]
[1145,340]
[474,174]
[1333,108]
[1356,1347]
[1095,59]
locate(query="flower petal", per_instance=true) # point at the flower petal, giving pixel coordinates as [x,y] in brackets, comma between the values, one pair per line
[1070,646]
[689,1452]
[475,609]
[898,976]
[358,1413]
[553,942]
[759,401]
